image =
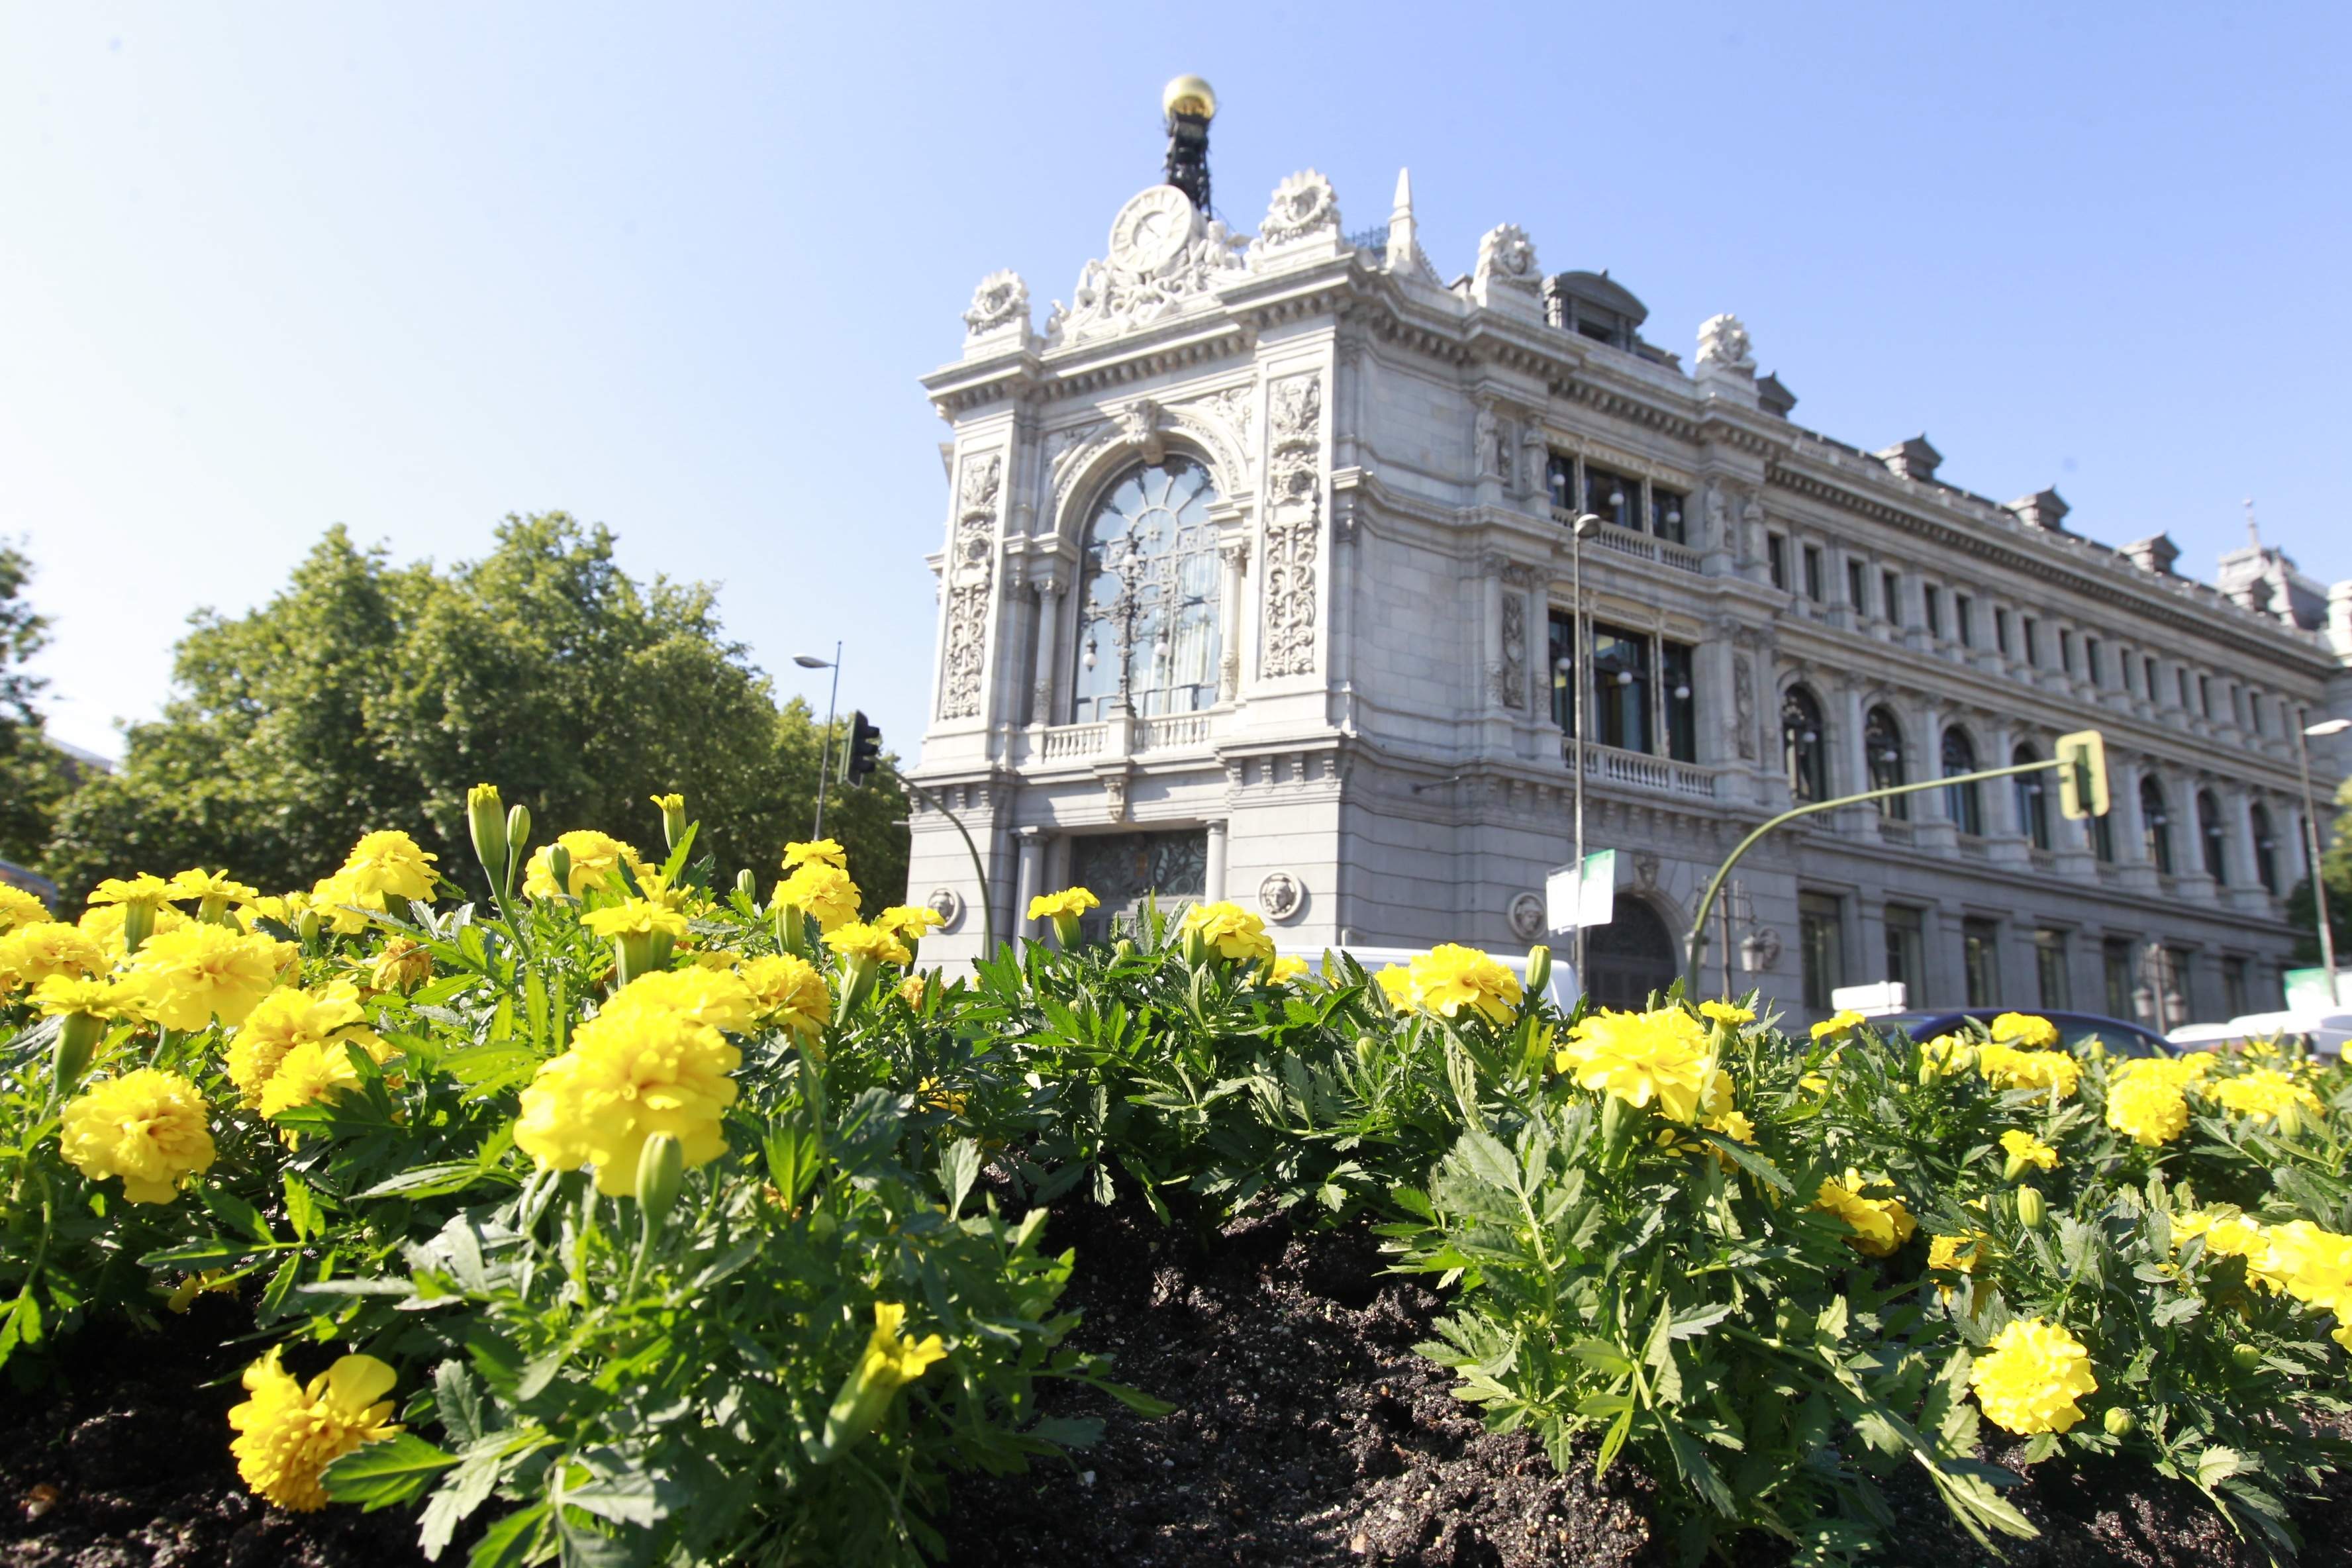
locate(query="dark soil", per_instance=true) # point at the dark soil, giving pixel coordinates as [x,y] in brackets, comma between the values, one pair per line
[1308,1432]
[124,1460]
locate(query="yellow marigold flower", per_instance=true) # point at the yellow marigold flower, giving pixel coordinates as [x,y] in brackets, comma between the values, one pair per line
[389,865]
[2024,1149]
[338,901]
[103,923]
[403,965]
[2265,1091]
[1732,1124]
[1950,1054]
[1880,1226]
[1396,984]
[594,857]
[144,889]
[287,1434]
[1729,1014]
[635,917]
[283,1019]
[2031,1379]
[1956,1254]
[788,992]
[2312,1265]
[1450,977]
[857,940]
[815,852]
[907,922]
[34,951]
[1837,1025]
[1228,931]
[62,993]
[822,891]
[631,1072]
[718,998]
[911,989]
[931,1092]
[147,1127]
[2025,1031]
[1665,1056]
[2147,1108]
[1283,971]
[315,1070]
[2013,1068]
[210,886]
[185,978]
[286,909]
[2181,1072]
[18,907]
[1070,901]
[891,1362]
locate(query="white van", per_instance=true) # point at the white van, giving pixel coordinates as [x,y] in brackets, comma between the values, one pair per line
[2324,1030]
[1561,990]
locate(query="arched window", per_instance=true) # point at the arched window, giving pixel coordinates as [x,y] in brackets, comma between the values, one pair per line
[1632,957]
[2265,848]
[1961,802]
[1882,748]
[1802,750]
[2156,826]
[2033,799]
[1147,605]
[2209,836]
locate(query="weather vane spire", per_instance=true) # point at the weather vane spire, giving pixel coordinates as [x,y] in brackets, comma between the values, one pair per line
[2253,529]
[1188,104]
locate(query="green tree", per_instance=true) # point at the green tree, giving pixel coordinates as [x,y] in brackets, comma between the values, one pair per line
[34,776]
[368,695]
[2336,868]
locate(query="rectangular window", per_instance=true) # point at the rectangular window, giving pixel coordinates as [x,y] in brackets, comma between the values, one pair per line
[1821,934]
[2066,649]
[2103,837]
[1619,702]
[2116,969]
[1678,696]
[1614,497]
[1563,670]
[1857,586]
[2183,682]
[1931,602]
[2233,987]
[2205,697]
[1667,515]
[1559,479]
[1963,620]
[2050,968]
[2254,709]
[1816,587]
[1129,872]
[1906,953]
[1776,555]
[2000,629]
[1890,597]
[2033,643]
[2091,653]
[2147,667]
[1980,960]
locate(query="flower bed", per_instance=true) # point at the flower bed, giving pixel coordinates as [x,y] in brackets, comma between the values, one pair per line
[630,1217]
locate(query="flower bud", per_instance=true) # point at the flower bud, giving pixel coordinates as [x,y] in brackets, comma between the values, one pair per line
[673,810]
[2119,1422]
[2030,1207]
[2289,1120]
[661,1171]
[792,930]
[1122,948]
[747,882]
[1066,932]
[1366,1046]
[2247,1356]
[307,926]
[518,843]
[485,819]
[77,1037]
[1539,969]
[138,924]
[559,867]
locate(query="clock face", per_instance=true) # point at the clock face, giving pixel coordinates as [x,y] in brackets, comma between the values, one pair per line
[1152,228]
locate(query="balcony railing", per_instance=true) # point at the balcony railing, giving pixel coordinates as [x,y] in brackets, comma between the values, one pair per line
[1163,732]
[1641,546]
[1066,741]
[1172,731]
[1639,770]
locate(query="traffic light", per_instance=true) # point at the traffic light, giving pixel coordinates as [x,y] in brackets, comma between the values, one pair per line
[2082,774]
[865,749]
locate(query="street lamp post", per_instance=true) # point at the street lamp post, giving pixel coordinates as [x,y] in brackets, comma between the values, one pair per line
[825,755]
[2311,842]
[1586,525]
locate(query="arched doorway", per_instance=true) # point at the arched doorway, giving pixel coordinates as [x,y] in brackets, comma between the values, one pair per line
[1629,957]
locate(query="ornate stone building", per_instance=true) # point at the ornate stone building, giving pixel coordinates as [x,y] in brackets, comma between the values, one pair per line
[1256,584]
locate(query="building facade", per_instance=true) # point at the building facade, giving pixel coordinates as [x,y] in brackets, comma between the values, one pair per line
[1258,579]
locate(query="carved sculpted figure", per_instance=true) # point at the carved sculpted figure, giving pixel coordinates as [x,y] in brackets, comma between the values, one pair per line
[1303,204]
[1723,341]
[1001,300]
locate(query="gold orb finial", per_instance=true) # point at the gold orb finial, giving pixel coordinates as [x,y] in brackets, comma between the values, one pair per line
[1189,95]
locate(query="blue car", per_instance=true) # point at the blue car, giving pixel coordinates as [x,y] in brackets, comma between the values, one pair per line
[2122,1039]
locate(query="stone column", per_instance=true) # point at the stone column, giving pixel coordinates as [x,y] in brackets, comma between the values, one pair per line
[1030,877]
[1215,880]
[2245,890]
[1853,762]
[1051,580]
[1233,553]
[1931,809]
[2130,831]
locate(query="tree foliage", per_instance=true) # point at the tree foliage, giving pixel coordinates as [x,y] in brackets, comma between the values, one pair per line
[367,693]
[33,776]
[2336,869]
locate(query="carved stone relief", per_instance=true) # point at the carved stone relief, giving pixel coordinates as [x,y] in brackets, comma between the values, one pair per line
[1743,703]
[1162,256]
[1294,526]
[1507,256]
[1514,673]
[1001,300]
[1281,896]
[1303,204]
[1527,914]
[1723,341]
[948,904]
[970,573]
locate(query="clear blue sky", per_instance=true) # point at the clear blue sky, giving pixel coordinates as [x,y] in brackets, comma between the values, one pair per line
[268,267]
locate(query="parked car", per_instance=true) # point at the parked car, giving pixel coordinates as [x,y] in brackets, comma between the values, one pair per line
[2321,1031]
[2121,1038]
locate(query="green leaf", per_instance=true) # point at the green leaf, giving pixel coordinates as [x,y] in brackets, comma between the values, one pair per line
[509,1542]
[625,1496]
[958,1169]
[235,1213]
[197,1256]
[458,1402]
[395,1469]
[302,1210]
[433,1180]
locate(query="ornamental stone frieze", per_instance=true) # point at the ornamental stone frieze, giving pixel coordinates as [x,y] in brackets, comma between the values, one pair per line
[970,572]
[1163,259]
[1294,526]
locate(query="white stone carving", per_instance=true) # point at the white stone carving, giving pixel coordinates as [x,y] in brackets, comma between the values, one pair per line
[1527,916]
[969,575]
[1294,526]
[1163,258]
[1513,682]
[1723,341]
[1743,702]
[1507,257]
[948,904]
[1001,299]
[1140,424]
[1303,204]
[1282,896]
